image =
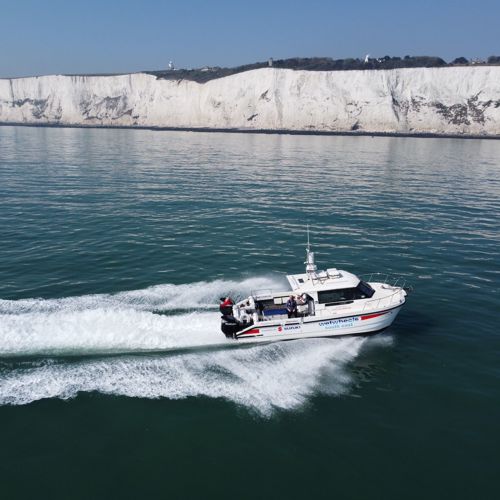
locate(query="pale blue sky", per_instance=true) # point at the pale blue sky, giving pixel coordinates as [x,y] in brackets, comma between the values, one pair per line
[73,36]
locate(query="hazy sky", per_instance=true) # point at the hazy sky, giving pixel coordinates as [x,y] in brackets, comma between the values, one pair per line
[73,36]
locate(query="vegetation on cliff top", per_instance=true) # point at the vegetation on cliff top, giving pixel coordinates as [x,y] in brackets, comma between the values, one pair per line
[202,75]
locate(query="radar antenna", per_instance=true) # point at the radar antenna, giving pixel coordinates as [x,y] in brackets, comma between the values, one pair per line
[310,265]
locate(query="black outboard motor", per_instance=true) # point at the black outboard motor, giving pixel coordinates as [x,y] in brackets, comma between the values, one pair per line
[230,326]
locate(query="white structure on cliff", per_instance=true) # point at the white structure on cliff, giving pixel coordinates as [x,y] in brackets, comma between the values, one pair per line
[451,100]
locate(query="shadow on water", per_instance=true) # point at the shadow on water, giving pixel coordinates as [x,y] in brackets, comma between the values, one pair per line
[414,323]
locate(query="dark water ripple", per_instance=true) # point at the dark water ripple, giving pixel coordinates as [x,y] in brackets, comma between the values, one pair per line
[88,209]
[100,228]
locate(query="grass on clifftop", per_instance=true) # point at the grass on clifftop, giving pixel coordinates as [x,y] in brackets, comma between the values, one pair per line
[202,75]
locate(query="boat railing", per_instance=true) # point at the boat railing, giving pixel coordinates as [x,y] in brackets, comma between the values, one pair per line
[266,292]
[397,297]
[384,278]
[397,284]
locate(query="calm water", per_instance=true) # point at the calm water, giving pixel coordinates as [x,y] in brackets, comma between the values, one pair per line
[116,241]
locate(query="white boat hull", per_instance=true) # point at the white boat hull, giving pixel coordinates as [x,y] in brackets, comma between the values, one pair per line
[329,303]
[311,327]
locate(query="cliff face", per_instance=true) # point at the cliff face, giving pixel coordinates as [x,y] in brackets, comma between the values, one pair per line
[457,100]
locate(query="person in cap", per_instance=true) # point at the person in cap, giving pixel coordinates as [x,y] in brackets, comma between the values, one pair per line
[226,305]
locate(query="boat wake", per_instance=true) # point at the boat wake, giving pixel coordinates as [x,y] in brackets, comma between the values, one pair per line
[45,347]
[119,323]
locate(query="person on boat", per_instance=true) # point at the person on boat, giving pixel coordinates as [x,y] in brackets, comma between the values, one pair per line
[259,306]
[291,307]
[226,305]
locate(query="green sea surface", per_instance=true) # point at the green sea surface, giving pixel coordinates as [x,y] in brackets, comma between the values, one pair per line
[115,380]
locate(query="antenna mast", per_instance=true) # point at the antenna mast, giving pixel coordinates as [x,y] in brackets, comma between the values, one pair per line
[310,265]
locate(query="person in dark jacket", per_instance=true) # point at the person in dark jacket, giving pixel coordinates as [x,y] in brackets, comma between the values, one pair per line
[291,307]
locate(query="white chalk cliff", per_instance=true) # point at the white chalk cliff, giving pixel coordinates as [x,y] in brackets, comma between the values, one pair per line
[451,100]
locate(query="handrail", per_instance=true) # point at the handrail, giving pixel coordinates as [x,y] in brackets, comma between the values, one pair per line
[398,297]
[397,283]
[264,291]
[384,278]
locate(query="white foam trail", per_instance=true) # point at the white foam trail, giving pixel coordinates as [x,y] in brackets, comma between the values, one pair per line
[263,378]
[122,322]
[166,297]
[100,331]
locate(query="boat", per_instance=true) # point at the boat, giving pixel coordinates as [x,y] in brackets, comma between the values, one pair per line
[329,303]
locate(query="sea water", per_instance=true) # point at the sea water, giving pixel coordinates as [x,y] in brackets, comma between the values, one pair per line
[115,380]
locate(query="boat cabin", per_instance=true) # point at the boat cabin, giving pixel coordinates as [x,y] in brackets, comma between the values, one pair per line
[324,300]
[314,292]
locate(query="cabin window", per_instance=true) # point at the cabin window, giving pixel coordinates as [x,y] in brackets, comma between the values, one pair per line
[365,290]
[336,296]
[362,291]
